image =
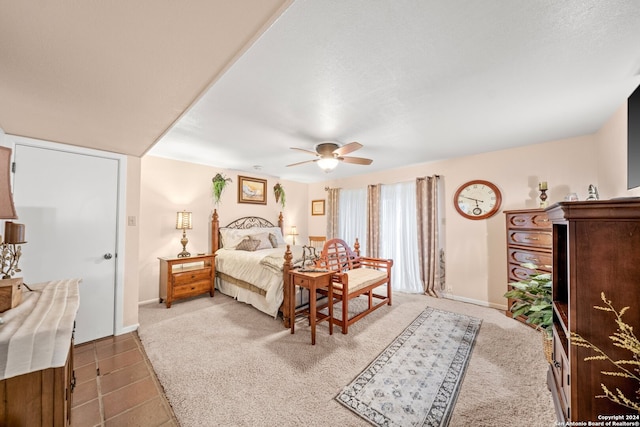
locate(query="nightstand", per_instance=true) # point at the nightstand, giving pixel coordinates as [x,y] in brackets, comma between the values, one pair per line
[186,277]
[312,281]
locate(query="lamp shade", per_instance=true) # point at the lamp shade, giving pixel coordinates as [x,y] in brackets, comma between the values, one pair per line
[7,209]
[294,231]
[183,220]
[328,164]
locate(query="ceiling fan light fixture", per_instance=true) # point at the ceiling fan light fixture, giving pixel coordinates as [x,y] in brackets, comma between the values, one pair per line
[328,164]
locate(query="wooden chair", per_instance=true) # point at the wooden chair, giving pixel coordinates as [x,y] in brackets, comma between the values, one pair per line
[353,276]
[317,242]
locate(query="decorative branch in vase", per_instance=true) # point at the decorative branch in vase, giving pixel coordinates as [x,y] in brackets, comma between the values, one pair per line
[626,368]
[10,254]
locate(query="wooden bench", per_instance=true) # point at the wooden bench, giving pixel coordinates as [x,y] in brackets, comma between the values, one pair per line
[353,276]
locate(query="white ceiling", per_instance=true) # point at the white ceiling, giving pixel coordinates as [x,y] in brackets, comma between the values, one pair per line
[412,80]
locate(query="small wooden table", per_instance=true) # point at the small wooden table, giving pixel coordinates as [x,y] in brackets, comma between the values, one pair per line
[312,281]
[186,277]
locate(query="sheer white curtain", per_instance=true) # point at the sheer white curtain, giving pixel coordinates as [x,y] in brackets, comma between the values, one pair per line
[398,234]
[353,217]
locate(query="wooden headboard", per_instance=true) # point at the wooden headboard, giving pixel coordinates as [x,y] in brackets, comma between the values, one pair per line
[240,223]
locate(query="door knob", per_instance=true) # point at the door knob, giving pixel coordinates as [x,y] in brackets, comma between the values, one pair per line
[108,256]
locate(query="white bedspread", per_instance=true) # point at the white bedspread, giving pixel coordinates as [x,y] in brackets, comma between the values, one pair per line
[37,333]
[262,268]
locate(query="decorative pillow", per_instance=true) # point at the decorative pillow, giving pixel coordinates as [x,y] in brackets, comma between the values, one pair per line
[263,238]
[276,232]
[231,237]
[248,244]
[273,239]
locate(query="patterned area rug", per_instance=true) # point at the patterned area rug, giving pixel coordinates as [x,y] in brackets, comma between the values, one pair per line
[416,379]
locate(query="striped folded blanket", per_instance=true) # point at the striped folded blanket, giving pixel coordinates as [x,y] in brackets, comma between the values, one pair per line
[36,334]
[275,260]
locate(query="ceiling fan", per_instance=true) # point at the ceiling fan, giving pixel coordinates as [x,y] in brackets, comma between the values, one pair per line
[331,153]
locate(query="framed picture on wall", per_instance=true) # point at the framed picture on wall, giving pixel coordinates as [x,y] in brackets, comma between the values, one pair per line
[317,207]
[252,190]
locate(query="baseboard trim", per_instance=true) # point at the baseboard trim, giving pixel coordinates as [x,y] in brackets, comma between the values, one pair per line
[127,329]
[149,301]
[473,301]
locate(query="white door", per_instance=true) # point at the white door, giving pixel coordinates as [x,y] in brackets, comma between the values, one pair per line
[68,203]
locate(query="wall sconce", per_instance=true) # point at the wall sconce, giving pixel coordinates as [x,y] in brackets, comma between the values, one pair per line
[183,221]
[542,186]
[294,233]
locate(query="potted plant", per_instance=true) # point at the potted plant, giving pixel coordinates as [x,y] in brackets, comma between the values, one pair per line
[219,184]
[278,191]
[533,300]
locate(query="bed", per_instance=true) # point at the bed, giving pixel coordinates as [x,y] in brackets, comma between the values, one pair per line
[252,273]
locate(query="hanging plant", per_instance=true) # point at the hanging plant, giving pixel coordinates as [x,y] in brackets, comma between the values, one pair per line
[278,191]
[219,184]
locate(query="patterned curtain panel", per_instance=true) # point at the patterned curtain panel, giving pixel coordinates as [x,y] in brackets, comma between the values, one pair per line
[373,222]
[431,250]
[333,205]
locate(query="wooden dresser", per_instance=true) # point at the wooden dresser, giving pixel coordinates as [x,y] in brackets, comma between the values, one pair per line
[37,368]
[186,277]
[596,250]
[529,240]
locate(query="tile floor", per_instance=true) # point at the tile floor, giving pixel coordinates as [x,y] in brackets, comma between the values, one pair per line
[116,386]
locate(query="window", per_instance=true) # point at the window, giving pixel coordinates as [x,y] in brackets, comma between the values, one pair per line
[398,235]
[352,207]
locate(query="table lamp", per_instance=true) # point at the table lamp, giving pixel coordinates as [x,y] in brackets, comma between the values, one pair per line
[183,221]
[294,233]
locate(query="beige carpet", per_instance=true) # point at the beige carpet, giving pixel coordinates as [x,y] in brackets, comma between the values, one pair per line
[224,363]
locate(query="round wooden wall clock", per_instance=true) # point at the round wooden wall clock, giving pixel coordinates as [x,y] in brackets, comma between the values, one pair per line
[477,199]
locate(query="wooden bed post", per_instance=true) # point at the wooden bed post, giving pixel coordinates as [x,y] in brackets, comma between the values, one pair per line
[281,222]
[356,247]
[215,226]
[288,265]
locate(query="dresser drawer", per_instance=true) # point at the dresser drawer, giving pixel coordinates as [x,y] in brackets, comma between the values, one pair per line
[543,260]
[535,220]
[195,288]
[518,273]
[300,281]
[561,373]
[191,276]
[539,239]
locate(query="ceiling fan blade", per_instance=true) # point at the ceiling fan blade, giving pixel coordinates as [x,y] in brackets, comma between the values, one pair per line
[305,151]
[348,148]
[356,160]
[301,163]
